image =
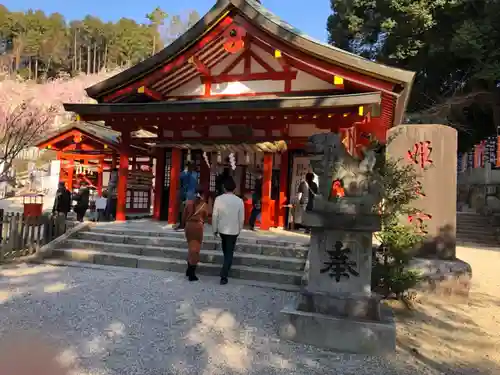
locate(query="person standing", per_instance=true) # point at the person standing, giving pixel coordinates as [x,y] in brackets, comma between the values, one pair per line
[62,202]
[219,181]
[256,201]
[111,195]
[193,220]
[82,199]
[228,217]
[308,189]
[189,185]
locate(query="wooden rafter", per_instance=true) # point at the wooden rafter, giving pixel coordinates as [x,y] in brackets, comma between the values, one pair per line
[176,63]
[149,92]
[200,67]
[182,80]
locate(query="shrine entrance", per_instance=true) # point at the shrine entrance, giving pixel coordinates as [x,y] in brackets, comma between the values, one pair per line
[242,82]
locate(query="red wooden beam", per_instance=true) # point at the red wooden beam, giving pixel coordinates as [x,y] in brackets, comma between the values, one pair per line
[267,76]
[182,79]
[262,94]
[57,139]
[291,52]
[177,62]
[84,147]
[287,62]
[262,63]
[204,55]
[149,92]
[186,121]
[200,67]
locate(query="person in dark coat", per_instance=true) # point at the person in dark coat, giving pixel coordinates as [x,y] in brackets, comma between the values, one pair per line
[220,180]
[62,202]
[82,200]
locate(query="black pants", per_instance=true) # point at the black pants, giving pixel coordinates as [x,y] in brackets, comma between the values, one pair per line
[80,213]
[254,215]
[228,244]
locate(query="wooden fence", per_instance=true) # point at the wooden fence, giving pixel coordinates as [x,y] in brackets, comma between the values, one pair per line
[21,235]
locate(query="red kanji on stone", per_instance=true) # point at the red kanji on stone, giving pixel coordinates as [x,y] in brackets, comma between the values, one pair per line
[421,154]
[418,189]
[419,220]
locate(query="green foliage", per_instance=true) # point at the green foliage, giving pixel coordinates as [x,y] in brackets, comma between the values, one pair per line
[451,44]
[42,45]
[400,187]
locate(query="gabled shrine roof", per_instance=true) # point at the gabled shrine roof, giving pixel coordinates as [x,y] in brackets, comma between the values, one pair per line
[265,20]
[99,133]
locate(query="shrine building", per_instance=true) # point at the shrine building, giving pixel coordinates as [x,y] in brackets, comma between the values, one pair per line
[240,89]
[88,152]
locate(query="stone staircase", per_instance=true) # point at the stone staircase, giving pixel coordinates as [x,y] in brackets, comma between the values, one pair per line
[273,261]
[475,230]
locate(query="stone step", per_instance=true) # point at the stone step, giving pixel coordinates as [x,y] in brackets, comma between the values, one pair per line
[243,238]
[206,256]
[299,252]
[212,279]
[258,274]
[481,244]
[474,225]
[484,229]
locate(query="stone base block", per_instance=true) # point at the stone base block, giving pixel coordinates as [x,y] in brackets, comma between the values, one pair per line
[340,334]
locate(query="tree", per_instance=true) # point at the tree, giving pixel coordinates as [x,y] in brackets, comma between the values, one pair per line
[157,18]
[22,121]
[451,44]
[28,109]
[179,25]
[35,45]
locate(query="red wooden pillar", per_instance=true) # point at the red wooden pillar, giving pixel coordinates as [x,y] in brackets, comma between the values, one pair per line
[113,160]
[175,175]
[282,200]
[121,201]
[265,221]
[100,170]
[159,181]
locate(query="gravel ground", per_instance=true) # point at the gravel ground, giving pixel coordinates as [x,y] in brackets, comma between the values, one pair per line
[457,335]
[137,322]
[123,321]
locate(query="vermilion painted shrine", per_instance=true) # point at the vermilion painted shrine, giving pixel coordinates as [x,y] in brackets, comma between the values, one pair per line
[240,81]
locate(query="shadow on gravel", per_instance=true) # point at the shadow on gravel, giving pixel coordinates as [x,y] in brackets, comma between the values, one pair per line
[110,322]
[452,334]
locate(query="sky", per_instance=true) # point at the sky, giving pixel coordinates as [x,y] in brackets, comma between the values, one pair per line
[309,16]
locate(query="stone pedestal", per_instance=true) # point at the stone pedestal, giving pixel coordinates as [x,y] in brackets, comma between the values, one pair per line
[336,309]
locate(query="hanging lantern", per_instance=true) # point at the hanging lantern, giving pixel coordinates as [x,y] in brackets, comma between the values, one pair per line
[247,158]
[219,157]
[189,156]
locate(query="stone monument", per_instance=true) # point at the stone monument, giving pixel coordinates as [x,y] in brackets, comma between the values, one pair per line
[336,310]
[432,150]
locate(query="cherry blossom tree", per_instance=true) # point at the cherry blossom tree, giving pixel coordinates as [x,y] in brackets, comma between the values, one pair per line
[28,110]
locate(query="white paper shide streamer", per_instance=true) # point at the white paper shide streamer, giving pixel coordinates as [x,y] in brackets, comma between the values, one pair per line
[205,157]
[232,161]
